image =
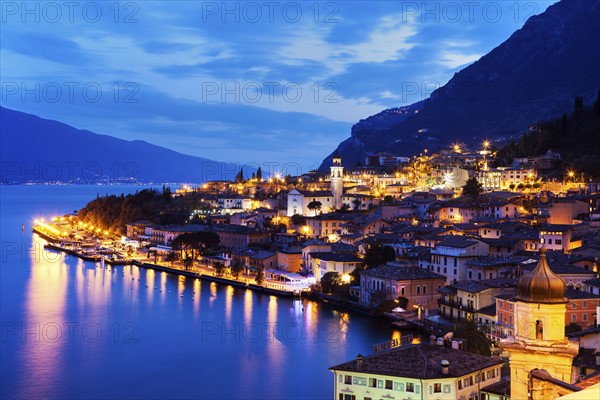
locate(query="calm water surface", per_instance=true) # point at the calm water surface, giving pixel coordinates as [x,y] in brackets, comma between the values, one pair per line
[74,329]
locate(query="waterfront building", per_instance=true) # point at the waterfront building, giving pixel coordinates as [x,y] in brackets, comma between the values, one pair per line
[390,281]
[415,371]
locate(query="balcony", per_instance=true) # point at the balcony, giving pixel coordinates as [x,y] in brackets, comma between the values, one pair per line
[458,306]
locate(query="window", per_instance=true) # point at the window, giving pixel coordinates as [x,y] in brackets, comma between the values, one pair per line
[437,388]
[459,384]
[424,289]
[455,261]
[454,271]
[510,306]
[574,317]
[573,305]
[470,274]
[402,290]
[389,384]
[584,316]
[372,382]
[410,387]
[348,379]
[418,289]
[558,241]
[549,241]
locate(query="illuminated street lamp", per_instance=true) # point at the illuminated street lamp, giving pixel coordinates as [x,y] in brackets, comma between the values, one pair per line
[456,148]
[346,278]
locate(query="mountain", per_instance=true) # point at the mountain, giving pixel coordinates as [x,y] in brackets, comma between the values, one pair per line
[41,150]
[532,76]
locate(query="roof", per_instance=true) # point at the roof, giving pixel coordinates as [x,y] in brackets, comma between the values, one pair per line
[501,387]
[421,361]
[339,257]
[457,241]
[481,285]
[488,310]
[316,193]
[573,294]
[400,273]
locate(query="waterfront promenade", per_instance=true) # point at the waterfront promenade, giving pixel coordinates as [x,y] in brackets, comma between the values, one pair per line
[115,255]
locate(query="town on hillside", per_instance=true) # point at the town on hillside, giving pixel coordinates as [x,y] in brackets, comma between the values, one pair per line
[495,263]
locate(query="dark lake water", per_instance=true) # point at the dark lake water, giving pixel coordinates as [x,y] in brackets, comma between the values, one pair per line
[74,329]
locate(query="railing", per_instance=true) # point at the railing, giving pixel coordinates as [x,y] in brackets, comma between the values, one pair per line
[458,306]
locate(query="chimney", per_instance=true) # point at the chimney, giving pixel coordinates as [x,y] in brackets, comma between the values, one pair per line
[359,361]
[432,340]
[445,366]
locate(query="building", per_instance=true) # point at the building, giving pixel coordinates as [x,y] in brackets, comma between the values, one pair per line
[422,371]
[388,282]
[540,354]
[559,237]
[465,299]
[298,201]
[337,181]
[238,236]
[450,256]
[342,263]
[289,260]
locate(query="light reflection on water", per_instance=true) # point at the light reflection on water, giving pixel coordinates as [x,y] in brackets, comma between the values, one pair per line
[127,338]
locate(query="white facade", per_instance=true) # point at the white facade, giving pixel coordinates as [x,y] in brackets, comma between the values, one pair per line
[337,182]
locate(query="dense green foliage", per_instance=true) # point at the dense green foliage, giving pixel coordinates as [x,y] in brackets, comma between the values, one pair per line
[472,188]
[576,136]
[475,340]
[114,212]
[377,254]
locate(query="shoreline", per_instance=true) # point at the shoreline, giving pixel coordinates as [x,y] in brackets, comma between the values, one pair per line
[333,301]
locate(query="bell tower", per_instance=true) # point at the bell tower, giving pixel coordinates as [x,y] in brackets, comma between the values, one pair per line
[539,341]
[337,181]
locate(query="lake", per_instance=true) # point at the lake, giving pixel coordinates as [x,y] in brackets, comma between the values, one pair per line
[75,329]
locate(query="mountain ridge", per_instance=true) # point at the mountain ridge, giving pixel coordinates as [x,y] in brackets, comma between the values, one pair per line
[42,150]
[531,76]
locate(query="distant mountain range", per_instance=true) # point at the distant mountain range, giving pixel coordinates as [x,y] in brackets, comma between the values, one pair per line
[532,76]
[33,149]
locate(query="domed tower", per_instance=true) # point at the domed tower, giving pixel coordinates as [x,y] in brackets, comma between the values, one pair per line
[337,181]
[539,340]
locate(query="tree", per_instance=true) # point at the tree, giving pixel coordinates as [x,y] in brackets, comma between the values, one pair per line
[388,199]
[260,276]
[472,188]
[572,328]
[376,254]
[240,176]
[329,281]
[188,262]
[219,268]
[475,340]
[171,257]
[315,205]
[259,174]
[193,243]
[356,203]
[298,219]
[236,268]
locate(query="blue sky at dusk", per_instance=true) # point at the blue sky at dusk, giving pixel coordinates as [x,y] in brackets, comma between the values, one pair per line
[246,82]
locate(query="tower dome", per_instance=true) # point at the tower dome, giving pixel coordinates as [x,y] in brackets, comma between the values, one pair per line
[541,285]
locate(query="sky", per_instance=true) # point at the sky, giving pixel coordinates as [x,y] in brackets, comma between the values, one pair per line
[265,82]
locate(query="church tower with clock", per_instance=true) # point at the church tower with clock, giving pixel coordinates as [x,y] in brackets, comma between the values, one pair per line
[337,181]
